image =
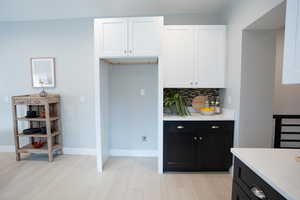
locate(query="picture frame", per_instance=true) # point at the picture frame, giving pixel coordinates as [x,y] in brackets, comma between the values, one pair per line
[43,72]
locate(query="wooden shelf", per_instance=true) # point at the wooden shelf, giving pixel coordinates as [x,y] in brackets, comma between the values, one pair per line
[37,135]
[30,149]
[37,119]
[50,106]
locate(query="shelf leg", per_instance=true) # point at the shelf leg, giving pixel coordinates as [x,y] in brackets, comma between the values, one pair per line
[18,156]
[49,134]
[17,142]
[50,156]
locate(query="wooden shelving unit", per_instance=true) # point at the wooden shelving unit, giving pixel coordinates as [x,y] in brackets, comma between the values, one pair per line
[50,107]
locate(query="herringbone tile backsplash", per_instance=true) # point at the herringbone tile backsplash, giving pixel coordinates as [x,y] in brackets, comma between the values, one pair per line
[189,93]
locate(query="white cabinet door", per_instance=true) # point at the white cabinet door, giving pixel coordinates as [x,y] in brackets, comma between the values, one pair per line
[210,55]
[113,37]
[144,36]
[178,56]
[291,65]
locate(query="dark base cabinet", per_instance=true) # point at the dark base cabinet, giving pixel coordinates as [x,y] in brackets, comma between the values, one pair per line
[249,186]
[191,146]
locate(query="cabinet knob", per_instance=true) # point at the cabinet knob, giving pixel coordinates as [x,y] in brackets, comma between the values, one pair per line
[192,83]
[215,127]
[196,83]
[258,193]
[200,138]
[180,127]
[195,138]
[125,51]
[130,51]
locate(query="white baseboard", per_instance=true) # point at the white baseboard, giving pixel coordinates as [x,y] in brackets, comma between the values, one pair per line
[133,153]
[70,151]
[80,151]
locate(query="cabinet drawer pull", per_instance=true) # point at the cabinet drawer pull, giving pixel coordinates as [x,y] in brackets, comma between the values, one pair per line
[258,193]
[180,127]
[215,127]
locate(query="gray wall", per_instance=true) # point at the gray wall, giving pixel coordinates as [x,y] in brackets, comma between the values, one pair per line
[258,73]
[71,43]
[240,15]
[286,97]
[16,10]
[132,115]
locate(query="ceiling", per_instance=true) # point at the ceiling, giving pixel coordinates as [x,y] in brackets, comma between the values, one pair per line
[25,10]
[274,19]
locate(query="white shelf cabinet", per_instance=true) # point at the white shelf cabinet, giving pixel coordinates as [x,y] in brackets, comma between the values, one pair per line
[129,37]
[194,56]
[291,65]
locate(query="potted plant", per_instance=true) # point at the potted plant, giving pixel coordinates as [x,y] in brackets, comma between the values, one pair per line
[174,103]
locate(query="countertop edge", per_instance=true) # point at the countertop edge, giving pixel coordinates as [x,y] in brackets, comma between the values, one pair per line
[261,175]
[227,115]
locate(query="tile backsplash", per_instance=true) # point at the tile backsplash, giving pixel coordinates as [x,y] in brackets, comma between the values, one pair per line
[190,93]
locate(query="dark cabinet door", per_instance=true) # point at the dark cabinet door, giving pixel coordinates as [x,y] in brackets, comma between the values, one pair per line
[237,193]
[253,184]
[179,146]
[214,142]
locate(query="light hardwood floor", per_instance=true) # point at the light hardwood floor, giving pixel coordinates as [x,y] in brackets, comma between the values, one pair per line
[75,178]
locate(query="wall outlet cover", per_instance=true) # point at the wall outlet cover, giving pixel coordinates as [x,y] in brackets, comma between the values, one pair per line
[144,138]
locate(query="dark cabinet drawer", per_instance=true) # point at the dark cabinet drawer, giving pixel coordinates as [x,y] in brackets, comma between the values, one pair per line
[180,127]
[252,184]
[215,126]
[197,146]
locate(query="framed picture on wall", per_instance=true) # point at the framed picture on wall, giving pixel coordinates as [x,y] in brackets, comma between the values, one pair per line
[43,72]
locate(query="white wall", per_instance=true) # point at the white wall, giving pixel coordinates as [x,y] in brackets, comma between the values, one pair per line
[71,43]
[286,97]
[240,15]
[132,115]
[257,84]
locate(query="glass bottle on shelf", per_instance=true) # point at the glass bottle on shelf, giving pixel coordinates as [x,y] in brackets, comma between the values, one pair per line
[218,109]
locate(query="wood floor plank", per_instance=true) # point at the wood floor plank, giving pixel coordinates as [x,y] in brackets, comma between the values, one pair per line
[76,178]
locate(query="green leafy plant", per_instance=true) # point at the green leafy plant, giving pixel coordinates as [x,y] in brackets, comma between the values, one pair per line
[176,103]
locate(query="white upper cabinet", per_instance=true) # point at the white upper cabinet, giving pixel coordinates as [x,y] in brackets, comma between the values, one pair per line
[113,37]
[210,55]
[291,65]
[123,37]
[178,56]
[145,36]
[194,56]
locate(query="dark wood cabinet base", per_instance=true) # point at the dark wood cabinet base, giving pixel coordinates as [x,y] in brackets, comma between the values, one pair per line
[192,146]
[249,186]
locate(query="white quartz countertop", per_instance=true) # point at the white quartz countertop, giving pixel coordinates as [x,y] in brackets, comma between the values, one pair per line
[278,167]
[227,115]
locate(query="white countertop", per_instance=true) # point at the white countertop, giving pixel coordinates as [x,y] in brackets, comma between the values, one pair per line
[227,115]
[278,167]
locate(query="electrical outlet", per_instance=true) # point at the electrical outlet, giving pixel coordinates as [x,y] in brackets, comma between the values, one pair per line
[144,139]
